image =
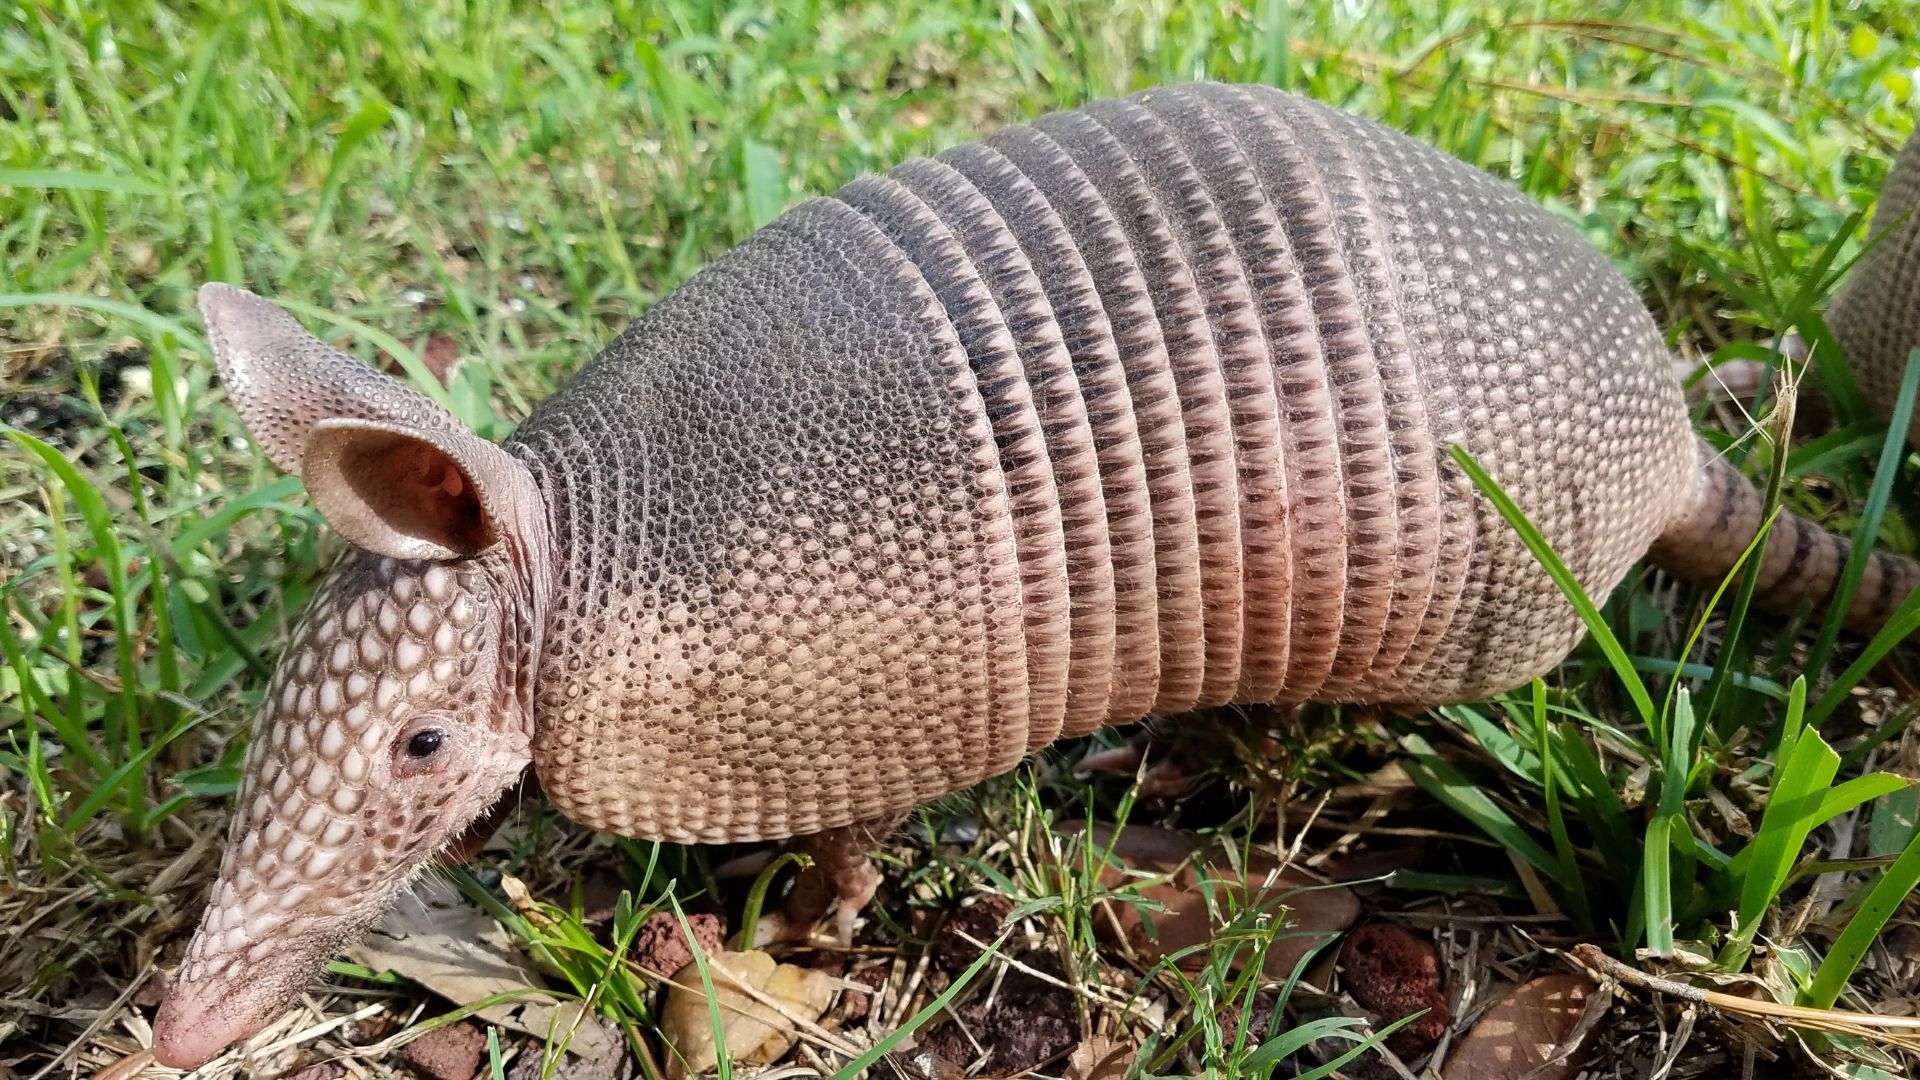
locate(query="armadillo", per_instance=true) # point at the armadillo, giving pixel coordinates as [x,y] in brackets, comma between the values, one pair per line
[1138,408]
[1876,316]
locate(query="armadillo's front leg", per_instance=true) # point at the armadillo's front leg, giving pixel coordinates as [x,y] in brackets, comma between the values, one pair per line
[840,871]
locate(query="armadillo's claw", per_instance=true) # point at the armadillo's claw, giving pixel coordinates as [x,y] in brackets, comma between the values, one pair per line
[855,891]
[845,888]
[841,874]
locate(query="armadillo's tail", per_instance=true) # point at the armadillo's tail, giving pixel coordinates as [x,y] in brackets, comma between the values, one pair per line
[1802,561]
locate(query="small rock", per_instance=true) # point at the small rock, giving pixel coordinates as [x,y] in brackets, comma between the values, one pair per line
[1514,1037]
[661,945]
[447,1053]
[1261,1016]
[856,1004]
[755,1034]
[1392,973]
[961,830]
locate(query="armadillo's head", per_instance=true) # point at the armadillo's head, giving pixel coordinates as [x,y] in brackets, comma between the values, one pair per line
[401,711]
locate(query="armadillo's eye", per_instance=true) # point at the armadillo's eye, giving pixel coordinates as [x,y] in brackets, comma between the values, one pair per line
[424,746]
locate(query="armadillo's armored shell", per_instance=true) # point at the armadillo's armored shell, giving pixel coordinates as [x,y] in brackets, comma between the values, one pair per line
[1140,407]
[1877,316]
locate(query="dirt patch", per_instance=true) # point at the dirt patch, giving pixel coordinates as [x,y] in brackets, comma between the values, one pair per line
[980,921]
[1024,1023]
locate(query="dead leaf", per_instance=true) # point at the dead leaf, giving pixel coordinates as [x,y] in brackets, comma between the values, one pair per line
[436,939]
[617,1063]
[1521,1031]
[1099,1058]
[756,1033]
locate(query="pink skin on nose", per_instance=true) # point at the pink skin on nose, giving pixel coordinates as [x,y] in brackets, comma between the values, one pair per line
[189,1033]
[202,1017]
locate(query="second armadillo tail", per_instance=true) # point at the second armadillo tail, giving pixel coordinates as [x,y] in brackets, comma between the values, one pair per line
[1801,561]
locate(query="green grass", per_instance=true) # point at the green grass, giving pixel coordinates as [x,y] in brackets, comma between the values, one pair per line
[511,184]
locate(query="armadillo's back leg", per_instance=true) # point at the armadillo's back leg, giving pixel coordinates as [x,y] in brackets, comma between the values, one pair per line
[1801,562]
[840,876]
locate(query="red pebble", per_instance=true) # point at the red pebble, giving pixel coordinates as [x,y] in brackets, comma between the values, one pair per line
[1393,973]
[661,945]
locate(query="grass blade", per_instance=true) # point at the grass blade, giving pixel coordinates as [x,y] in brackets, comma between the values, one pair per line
[1807,768]
[1445,783]
[1851,947]
[62,179]
[1563,848]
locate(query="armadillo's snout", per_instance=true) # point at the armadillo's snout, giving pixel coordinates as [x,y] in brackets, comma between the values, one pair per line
[221,997]
[194,1026]
[248,962]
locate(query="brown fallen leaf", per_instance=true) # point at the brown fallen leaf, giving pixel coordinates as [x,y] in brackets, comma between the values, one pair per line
[435,938]
[1521,1031]
[1314,910]
[1099,1058]
[755,1033]
[440,353]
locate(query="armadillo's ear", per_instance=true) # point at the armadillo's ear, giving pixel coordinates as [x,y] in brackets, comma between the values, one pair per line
[284,380]
[415,493]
